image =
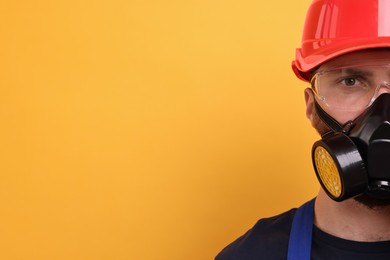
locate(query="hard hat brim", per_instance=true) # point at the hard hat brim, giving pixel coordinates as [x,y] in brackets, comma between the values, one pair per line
[304,65]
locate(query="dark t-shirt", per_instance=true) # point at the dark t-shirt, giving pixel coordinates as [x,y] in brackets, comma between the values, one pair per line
[268,240]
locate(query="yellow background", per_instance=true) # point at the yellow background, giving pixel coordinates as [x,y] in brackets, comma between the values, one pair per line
[147,129]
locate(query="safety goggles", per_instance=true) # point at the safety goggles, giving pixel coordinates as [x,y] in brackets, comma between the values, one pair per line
[351,87]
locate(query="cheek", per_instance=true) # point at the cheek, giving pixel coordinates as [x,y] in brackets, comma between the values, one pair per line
[343,116]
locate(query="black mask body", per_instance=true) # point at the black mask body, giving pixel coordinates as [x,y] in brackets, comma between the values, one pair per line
[354,158]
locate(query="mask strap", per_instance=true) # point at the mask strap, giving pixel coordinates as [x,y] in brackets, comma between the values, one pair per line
[331,122]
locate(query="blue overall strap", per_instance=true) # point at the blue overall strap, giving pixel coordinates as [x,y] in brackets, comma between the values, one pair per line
[299,245]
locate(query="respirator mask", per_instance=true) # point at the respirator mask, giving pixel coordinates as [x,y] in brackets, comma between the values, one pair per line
[353,158]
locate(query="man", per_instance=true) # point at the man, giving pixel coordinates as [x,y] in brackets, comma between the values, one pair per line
[345,55]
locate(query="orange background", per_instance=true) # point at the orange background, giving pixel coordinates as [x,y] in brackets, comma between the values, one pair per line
[147,129]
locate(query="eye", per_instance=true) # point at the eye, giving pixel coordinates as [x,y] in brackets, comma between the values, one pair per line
[350,81]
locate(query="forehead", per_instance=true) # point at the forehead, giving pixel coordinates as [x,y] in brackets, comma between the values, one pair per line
[364,57]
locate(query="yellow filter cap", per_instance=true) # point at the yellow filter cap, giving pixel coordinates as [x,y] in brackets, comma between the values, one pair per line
[328,172]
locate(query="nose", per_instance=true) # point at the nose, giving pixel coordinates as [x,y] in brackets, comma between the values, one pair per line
[384,87]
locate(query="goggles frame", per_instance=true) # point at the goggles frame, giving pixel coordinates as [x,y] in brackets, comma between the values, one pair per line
[363,68]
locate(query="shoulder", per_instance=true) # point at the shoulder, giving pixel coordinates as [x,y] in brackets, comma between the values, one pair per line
[268,239]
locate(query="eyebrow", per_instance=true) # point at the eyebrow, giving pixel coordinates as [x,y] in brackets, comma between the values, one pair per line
[352,71]
[357,71]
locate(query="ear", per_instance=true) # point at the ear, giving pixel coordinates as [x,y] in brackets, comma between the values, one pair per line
[309,99]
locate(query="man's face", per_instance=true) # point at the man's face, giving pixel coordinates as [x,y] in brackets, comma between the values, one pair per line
[376,75]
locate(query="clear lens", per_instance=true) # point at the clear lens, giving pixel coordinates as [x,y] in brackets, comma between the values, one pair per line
[352,87]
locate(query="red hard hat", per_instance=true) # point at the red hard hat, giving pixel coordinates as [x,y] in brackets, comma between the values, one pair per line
[336,27]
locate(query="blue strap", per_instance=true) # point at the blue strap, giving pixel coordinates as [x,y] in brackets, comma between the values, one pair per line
[299,245]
